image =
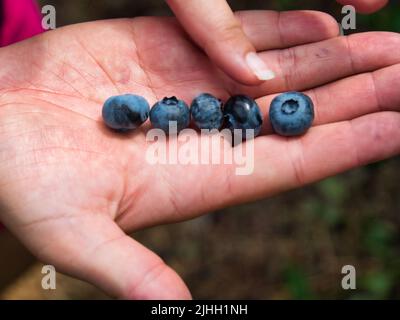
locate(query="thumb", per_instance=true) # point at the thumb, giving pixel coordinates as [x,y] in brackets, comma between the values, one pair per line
[96,250]
[214,27]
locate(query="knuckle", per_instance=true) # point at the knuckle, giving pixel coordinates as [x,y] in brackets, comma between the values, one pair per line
[287,61]
[230,34]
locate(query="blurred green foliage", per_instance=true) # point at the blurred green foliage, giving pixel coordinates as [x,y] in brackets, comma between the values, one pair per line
[387,19]
[297,283]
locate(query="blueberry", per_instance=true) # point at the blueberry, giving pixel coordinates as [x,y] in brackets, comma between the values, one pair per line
[242,112]
[170,109]
[125,112]
[291,113]
[206,111]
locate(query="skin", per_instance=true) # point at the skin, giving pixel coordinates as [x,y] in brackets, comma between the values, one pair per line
[71,189]
[227,45]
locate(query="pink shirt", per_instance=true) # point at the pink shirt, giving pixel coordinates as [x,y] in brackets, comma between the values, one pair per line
[21,19]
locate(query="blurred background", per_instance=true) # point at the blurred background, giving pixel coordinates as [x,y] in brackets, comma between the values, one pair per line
[292,246]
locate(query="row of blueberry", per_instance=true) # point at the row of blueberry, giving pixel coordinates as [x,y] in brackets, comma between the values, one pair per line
[291,113]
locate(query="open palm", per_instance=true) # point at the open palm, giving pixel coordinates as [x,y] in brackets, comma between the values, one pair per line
[70,188]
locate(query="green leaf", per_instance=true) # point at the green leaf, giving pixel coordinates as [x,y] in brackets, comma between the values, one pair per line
[297,283]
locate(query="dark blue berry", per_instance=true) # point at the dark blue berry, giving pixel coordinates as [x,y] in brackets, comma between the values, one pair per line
[168,110]
[291,113]
[125,112]
[242,112]
[206,111]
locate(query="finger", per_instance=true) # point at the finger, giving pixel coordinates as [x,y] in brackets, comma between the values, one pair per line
[281,164]
[93,248]
[272,29]
[276,165]
[370,92]
[313,65]
[212,24]
[365,6]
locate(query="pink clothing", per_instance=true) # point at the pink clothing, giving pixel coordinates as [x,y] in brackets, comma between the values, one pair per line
[21,19]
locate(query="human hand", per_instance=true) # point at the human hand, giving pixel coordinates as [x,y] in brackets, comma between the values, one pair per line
[220,33]
[70,188]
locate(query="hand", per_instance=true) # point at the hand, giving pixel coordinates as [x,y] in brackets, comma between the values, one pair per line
[70,188]
[222,35]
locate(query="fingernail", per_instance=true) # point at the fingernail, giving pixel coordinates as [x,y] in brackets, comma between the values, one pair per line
[258,67]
